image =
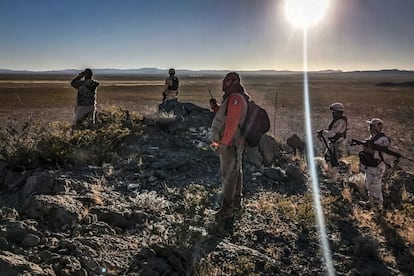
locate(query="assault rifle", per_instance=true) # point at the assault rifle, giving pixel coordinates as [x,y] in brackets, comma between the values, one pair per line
[379,148]
[331,151]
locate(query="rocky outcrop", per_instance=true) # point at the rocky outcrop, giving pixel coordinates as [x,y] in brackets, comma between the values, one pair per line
[151,212]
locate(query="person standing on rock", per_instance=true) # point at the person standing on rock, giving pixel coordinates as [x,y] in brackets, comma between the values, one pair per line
[334,139]
[226,137]
[170,95]
[374,162]
[172,84]
[86,100]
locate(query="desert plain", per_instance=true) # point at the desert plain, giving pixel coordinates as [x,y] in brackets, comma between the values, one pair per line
[48,97]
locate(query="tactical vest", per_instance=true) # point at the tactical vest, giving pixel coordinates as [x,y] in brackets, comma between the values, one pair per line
[174,84]
[339,135]
[368,159]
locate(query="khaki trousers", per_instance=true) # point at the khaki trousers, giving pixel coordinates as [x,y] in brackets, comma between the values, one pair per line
[85,113]
[232,175]
[373,180]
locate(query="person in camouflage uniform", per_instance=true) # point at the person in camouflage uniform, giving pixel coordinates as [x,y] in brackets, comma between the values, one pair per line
[86,100]
[171,86]
[374,170]
[335,136]
[170,101]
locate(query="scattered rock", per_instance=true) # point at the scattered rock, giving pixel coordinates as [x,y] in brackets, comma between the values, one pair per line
[150,212]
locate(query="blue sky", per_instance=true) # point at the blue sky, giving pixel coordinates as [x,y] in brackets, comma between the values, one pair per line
[202,34]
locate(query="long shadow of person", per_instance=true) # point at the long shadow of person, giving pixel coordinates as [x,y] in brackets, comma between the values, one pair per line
[403,254]
[352,242]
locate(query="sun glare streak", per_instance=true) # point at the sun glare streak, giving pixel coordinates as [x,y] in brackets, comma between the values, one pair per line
[311,156]
[305,13]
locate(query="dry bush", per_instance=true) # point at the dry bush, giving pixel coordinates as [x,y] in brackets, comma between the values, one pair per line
[19,144]
[195,196]
[295,208]
[56,144]
[151,202]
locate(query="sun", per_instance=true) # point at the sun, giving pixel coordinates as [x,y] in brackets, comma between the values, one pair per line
[304,13]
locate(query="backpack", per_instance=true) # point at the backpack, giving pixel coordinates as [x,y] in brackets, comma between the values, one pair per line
[174,85]
[255,125]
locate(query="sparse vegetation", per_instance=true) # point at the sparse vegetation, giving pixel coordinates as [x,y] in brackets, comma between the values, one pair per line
[56,144]
[134,212]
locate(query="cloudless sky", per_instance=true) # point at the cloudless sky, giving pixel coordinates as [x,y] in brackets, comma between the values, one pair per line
[202,34]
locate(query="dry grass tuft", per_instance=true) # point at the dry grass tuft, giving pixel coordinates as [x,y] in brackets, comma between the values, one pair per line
[97,192]
[275,206]
[347,193]
[150,201]
[353,162]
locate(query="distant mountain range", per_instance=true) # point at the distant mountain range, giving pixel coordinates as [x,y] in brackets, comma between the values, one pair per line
[188,72]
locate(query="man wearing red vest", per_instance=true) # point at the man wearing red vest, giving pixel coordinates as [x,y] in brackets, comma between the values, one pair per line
[227,138]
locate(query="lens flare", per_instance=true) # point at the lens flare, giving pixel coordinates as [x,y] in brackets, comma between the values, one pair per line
[304,13]
[311,164]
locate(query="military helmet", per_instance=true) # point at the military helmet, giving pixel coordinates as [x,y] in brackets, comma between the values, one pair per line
[337,107]
[376,122]
[171,71]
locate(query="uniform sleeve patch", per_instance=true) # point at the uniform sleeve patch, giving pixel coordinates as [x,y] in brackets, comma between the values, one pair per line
[235,102]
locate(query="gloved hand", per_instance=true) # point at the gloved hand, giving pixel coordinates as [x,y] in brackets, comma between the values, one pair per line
[214,146]
[319,134]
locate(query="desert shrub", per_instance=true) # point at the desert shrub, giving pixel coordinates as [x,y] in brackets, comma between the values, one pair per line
[195,197]
[56,144]
[18,144]
[294,208]
[150,202]
[161,119]
[189,225]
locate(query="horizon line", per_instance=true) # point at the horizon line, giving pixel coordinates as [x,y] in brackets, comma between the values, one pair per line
[218,70]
